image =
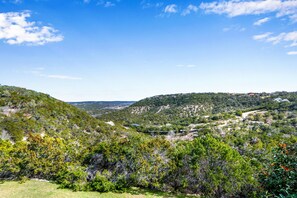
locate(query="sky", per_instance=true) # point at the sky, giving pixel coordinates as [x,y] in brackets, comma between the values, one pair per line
[106,50]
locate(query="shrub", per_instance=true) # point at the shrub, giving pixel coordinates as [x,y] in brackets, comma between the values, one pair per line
[74,177]
[101,184]
[279,178]
[210,167]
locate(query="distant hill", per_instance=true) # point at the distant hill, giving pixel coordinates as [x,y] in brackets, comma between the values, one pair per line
[168,108]
[98,108]
[24,111]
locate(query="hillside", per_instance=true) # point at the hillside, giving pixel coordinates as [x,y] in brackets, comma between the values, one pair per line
[252,124]
[176,108]
[24,111]
[163,109]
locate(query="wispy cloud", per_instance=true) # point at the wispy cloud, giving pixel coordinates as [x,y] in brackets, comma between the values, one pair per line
[40,72]
[236,28]
[16,29]
[292,53]
[280,8]
[12,1]
[262,21]
[108,4]
[104,3]
[171,9]
[147,4]
[262,36]
[234,8]
[285,37]
[191,8]
[289,37]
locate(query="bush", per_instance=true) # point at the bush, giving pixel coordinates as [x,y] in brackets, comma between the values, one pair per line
[74,177]
[279,178]
[238,113]
[101,184]
[210,167]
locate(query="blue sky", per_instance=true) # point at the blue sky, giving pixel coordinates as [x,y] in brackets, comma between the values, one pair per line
[78,50]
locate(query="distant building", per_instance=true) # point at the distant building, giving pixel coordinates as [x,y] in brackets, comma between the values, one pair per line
[281,100]
[278,100]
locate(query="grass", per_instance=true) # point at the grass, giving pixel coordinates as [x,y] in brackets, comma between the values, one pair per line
[39,189]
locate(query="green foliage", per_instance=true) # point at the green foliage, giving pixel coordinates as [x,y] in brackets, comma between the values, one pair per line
[131,161]
[15,128]
[37,158]
[238,113]
[279,178]
[211,167]
[74,177]
[101,184]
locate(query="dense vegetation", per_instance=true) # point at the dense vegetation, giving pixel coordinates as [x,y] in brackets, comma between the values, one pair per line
[235,145]
[204,166]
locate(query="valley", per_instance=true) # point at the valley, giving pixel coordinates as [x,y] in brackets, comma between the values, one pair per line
[198,144]
[100,108]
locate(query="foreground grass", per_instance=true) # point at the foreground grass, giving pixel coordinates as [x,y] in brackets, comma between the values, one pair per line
[38,189]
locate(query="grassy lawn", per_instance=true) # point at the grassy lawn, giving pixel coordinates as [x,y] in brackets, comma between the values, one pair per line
[38,189]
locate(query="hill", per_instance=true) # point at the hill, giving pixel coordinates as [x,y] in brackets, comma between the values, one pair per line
[176,108]
[24,111]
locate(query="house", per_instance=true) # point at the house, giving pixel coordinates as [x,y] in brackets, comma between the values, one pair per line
[281,100]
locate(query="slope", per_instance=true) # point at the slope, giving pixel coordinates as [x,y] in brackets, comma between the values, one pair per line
[24,111]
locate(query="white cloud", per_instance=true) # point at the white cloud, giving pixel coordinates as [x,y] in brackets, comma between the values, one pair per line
[262,21]
[289,37]
[292,53]
[16,29]
[234,8]
[189,9]
[172,8]
[262,36]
